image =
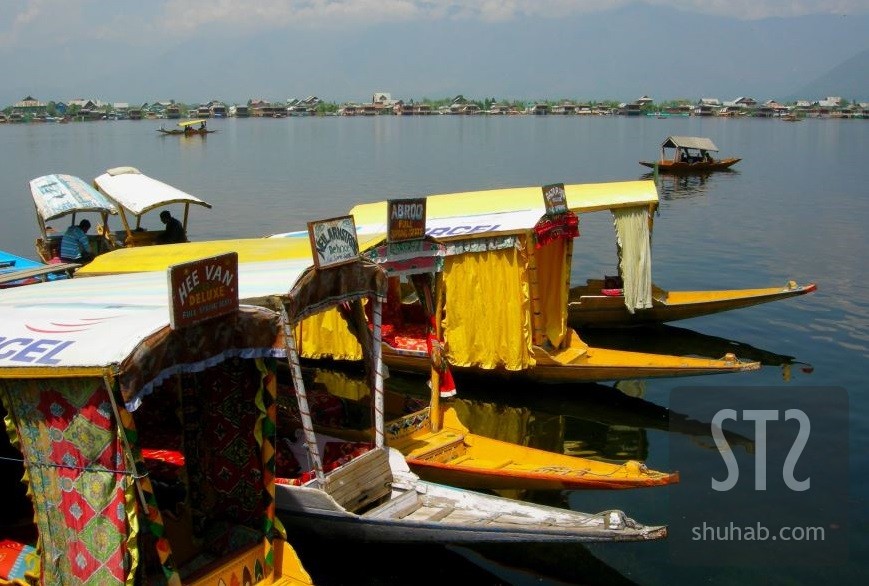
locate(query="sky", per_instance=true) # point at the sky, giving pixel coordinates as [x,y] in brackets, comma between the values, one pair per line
[344,50]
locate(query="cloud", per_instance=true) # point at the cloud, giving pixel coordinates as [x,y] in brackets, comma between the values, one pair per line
[54,22]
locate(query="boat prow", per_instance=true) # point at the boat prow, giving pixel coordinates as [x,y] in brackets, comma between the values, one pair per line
[457,457]
[593,305]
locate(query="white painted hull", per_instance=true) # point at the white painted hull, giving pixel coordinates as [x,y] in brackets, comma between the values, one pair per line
[419,511]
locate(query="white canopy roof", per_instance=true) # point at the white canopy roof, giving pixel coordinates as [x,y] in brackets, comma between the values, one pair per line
[99,321]
[59,195]
[138,193]
[689,142]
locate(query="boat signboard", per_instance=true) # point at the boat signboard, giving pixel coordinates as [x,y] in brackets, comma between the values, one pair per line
[555,199]
[333,241]
[406,219]
[203,289]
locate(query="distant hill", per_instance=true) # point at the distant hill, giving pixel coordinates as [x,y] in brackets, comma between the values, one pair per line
[849,80]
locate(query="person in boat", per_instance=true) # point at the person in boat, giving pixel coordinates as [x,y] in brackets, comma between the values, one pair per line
[705,156]
[188,130]
[174,231]
[74,245]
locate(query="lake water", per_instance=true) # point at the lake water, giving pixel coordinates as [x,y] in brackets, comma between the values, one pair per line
[795,207]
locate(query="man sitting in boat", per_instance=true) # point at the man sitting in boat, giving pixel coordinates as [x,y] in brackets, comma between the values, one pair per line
[174,232]
[74,245]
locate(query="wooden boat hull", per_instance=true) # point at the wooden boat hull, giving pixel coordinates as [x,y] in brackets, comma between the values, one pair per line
[16,271]
[425,512]
[587,307]
[587,364]
[182,133]
[668,166]
[456,457]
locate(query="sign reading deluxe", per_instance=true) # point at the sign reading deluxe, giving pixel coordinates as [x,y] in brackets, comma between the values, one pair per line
[203,289]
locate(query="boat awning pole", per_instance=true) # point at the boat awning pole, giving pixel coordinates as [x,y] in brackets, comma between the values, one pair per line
[378,375]
[434,410]
[301,393]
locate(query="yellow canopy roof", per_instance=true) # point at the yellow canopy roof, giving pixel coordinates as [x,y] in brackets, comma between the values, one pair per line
[149,258]
[513,209]
[189,122]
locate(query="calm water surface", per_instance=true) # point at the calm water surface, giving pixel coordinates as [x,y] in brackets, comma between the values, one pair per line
[796,207]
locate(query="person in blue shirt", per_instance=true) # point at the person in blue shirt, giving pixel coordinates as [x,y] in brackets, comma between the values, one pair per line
[74,246]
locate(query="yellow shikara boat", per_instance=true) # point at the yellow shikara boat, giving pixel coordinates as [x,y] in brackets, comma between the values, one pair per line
[507,296]
[455,456]
[596,305]
[123,485]
[491,255]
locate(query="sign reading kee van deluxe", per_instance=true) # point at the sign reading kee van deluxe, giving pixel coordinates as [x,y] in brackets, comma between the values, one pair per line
[406,219]
[203,289]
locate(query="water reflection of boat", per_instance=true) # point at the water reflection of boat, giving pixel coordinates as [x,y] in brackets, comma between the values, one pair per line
[675,186]
[592,420]
[667,338]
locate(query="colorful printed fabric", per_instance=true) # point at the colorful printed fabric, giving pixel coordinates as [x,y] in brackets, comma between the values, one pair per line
[17,561]
[78,476]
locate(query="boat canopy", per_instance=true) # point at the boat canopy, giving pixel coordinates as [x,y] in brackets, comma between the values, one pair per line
[138,193]
[191,122]
[498,212]
[689,142]
[100,325]
[250,250]
[56,196]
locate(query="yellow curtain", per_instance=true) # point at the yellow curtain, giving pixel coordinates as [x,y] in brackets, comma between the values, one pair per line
[552,289]
[326,335]
[487,321]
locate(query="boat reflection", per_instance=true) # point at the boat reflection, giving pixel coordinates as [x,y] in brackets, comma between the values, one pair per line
[682,186]
[685,342]
[587,420]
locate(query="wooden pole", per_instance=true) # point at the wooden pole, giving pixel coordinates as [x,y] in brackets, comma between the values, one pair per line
[435,402]
[301,394]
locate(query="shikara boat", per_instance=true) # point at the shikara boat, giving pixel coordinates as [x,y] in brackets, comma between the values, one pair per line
[135,194]
[187,128]
[492,239]
[489,238]
[473,461]
[363,491]
[689,154]
[58,197]
[596,305]
[16,270]
[121,485]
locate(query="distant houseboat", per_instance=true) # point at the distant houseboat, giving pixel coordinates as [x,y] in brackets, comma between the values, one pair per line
[173,112]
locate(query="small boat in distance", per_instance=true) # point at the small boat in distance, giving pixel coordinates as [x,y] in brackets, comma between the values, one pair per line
[689,154]
[188,128]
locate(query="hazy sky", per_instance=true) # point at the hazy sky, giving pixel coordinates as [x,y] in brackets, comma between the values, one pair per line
[56,48]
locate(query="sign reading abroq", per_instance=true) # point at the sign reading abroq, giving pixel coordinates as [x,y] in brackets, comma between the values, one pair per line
[406,219]
[203,289]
